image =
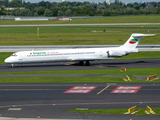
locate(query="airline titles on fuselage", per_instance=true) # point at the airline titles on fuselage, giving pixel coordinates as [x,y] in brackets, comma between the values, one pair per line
[32,54]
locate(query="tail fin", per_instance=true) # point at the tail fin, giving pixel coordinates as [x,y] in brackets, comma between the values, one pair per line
[134,40]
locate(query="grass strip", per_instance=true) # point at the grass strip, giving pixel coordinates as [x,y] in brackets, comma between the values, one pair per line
[130,71]
[77,35]
[70,80]
[112,19]
[141,111]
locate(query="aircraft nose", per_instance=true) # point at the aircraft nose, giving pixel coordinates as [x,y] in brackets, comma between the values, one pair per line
[7,60]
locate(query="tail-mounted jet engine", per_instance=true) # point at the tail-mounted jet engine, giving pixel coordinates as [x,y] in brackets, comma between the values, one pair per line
[116,53]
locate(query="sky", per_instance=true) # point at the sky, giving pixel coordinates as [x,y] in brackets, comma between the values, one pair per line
[96,1]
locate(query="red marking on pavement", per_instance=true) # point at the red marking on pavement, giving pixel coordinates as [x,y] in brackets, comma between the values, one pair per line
[128,87]
[77,91]
[84,87]
[80,89]
[124,91]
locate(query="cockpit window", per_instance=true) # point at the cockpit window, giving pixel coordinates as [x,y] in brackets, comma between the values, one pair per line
[14,55]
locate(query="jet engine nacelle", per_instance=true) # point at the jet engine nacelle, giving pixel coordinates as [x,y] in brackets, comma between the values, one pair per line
[116,53]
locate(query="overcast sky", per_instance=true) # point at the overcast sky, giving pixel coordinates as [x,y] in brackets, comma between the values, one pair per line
[96,1]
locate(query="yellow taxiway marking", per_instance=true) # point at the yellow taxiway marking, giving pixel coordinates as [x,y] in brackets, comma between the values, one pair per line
[103,89]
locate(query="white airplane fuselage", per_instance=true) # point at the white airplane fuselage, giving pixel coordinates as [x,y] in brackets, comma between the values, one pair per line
[87,54]
[77,54]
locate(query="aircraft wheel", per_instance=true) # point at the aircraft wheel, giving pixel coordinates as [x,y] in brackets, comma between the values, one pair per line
[12,65]
[87,63]
[81,63]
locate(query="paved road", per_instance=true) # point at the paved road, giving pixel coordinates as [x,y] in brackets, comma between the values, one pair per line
[50,101]
[102,24]
[109,64]
[53,101]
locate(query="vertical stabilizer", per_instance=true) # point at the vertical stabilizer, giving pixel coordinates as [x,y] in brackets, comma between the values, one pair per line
[134,40]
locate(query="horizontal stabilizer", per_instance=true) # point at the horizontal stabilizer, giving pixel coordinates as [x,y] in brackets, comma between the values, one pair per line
[142,35]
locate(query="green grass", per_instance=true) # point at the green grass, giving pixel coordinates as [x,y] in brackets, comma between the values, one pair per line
[130,71]
[71,80]
[141,111]
[115,19]
[77,35]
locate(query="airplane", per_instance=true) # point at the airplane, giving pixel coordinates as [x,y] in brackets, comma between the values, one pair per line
[82,55]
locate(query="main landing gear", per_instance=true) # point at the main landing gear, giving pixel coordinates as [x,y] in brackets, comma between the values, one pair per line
[87,63]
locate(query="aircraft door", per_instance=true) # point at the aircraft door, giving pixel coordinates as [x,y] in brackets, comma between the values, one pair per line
[20,57]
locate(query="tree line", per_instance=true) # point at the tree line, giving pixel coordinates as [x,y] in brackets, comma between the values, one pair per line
[69,9]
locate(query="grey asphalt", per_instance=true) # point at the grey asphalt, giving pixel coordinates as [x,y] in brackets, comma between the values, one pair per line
[50,101]
[108,64]
[99,24]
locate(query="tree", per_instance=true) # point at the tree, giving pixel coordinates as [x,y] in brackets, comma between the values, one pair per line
[15,12]
[48,13]
[79,8]
[106,13]
[40,10]
[68,12]
[15,3]
[24,12]
[4,3]
[35,14]
[91,13]
[54,12]
[60,13]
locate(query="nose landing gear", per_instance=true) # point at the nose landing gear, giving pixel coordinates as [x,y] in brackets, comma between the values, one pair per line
[12,65]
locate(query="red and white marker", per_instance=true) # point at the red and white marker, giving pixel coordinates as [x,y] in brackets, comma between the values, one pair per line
[84,87]
[77,91]
[124,91]
[128,87]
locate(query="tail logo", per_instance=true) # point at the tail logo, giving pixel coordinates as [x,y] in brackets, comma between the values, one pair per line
[133,41]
